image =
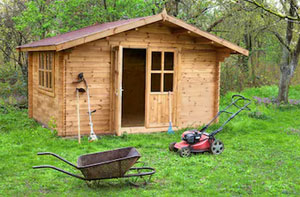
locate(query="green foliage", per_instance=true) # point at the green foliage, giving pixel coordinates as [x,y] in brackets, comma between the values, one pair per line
[261,158]
[258,115]
[13,87]
[53,125]
[47,18]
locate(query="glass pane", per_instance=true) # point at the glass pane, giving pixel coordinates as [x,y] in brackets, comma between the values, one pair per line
[42,76]
[169,61]
[50,79]
[47,61]
[168,82]
[50,60]
[42,61]
[156,61]
[155,82]
[47,80]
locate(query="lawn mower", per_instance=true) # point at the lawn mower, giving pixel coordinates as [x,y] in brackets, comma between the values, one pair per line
[195,141]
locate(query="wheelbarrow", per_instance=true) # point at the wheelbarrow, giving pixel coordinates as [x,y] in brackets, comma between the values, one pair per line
[105,165]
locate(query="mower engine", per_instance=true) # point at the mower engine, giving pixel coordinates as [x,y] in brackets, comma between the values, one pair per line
[191,137]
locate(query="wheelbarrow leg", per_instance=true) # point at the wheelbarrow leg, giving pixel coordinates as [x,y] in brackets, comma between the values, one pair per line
[60,170]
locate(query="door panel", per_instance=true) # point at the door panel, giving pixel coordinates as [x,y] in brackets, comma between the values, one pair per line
[159,110]
[160,80]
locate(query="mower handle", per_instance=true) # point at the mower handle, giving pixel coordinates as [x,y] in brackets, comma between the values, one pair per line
[242,98]
[238,95]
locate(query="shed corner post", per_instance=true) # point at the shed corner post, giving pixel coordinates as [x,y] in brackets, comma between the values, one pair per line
[217,89]
[220,57]
[62,62]
[30,84]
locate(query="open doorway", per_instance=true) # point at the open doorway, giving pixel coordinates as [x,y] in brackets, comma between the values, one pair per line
[133,84]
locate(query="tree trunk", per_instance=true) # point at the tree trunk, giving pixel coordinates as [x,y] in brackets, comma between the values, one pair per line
[284,84]
[286,74]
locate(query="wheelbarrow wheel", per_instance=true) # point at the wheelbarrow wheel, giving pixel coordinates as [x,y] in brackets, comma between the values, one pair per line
[217,147]
[172,148]
[185,152]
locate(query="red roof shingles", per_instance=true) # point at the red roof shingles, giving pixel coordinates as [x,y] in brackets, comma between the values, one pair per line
[73,35]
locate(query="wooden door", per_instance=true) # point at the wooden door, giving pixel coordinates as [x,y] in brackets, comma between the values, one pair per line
[117,90]
[161,79]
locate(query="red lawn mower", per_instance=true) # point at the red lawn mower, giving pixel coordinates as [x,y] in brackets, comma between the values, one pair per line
[195,141]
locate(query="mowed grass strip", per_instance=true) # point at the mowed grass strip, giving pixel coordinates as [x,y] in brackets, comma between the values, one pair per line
[261,157]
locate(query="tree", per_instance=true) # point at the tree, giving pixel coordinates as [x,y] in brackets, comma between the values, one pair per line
[288,13]
[44,18]
[246,26]
[10,36]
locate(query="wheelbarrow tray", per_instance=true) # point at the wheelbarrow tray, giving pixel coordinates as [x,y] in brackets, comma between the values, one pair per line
[108,164]
[104,165]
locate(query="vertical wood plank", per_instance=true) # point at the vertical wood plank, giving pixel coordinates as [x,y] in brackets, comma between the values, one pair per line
[30,84]
[63,89]
[178,89]
[111,99]
[118,73]
[162,71]
[217,88]
[158,113]
[148,87]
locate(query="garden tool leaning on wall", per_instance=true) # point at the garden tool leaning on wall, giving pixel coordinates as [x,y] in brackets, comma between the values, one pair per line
[78,90]
[92,136]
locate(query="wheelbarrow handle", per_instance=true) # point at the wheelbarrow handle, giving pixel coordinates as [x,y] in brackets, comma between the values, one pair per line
[60,170]
[59,157]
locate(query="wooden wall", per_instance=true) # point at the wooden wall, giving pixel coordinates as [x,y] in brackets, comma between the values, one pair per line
[43,106]
[199,82]
[93,59]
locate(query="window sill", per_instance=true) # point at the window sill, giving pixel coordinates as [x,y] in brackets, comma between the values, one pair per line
[46,92]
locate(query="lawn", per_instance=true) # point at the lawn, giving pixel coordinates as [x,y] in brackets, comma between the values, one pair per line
[261,157]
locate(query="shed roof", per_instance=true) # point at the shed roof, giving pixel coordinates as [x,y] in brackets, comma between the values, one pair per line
[98,31]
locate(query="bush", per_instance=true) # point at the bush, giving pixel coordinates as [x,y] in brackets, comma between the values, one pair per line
[258,115]
[13,87]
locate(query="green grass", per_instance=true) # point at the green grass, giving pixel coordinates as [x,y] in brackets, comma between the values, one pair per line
[262,157]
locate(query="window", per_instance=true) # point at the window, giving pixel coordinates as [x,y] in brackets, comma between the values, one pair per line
[162,71]
[46,65]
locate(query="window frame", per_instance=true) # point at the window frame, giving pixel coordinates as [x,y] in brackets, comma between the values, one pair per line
[47,69]
[162,71]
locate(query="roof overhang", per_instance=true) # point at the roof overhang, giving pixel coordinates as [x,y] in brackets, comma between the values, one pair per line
[234,49]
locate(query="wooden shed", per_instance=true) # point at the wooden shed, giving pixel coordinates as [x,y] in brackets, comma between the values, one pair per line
[130,66]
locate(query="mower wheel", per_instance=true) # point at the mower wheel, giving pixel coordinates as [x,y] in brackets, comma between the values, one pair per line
[172,148]
[217,147]
[185,152]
